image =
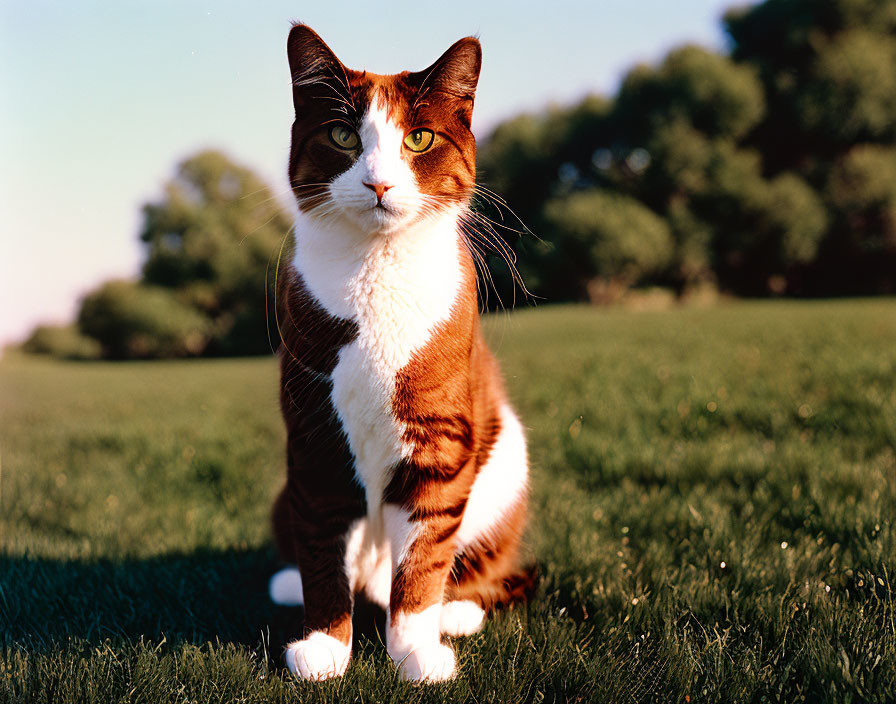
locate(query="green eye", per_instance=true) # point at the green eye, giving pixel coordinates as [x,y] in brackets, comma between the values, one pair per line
[419,140]
[344,137]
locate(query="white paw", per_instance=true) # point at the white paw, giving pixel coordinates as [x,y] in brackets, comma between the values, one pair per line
[318,657]
[285,587]
[461,618]
[428,663]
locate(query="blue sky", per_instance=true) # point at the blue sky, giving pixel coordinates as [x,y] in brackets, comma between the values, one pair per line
[99,101]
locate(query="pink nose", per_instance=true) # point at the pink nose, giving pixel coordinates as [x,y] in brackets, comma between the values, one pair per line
[380,190]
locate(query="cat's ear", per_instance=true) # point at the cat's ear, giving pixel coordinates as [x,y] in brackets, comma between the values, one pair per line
[313,65]
[455,73]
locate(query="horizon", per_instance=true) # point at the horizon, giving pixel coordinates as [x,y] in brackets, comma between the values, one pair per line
[97,118]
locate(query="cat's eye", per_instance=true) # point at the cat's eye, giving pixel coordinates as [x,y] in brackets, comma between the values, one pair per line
[419,140]
[344,137]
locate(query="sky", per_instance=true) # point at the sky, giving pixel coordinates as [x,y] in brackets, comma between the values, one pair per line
[99,100]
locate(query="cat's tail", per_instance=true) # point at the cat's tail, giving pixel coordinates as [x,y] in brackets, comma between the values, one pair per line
[490,581]
[285,587]
[519,586]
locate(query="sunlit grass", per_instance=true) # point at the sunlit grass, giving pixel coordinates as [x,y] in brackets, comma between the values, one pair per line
[712,515]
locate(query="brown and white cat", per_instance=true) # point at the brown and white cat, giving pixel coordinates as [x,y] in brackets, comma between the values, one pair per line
[407,469]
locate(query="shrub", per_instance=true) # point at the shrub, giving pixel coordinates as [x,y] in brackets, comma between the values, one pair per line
[134,321]
[606,241]
[64,341]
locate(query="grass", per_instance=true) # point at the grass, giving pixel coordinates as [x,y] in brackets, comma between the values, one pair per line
[712,514]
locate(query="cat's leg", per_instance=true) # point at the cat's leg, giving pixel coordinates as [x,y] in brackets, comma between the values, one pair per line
[366,564]
[422,555]
[325,650]
[316,539]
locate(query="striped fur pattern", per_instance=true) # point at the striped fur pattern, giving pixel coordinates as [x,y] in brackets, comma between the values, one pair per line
[407,470]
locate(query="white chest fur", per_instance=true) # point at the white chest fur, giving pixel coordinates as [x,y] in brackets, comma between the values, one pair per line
[398,288]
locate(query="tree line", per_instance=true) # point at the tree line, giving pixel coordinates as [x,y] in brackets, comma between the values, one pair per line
[769,169]
[211,245]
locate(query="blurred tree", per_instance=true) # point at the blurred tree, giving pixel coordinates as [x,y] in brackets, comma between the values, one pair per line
[851,95]
[64,341]
[690,116]
[705,90]
[861,250]
[763,230]
[829,69]
[604,243]
[136,321]
[763,164]
[209,242]
[514,162]
[656,143]
[524,157]
[211,238]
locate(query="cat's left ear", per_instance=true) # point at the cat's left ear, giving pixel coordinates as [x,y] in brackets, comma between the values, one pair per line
[455,74]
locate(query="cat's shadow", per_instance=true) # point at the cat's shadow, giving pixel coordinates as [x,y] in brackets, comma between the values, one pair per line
[207,596]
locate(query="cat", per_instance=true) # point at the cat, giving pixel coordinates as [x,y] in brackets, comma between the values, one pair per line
[407,470]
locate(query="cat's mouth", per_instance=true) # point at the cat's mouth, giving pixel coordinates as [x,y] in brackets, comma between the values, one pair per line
[383,211]
[385,217]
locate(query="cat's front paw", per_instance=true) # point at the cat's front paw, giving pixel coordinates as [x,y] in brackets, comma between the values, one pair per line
[428,663]
[318,657]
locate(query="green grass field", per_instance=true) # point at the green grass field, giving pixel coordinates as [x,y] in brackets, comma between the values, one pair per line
[712,514]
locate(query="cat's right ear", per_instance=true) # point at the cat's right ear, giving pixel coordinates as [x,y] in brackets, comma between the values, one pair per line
[455,74]
[313,65]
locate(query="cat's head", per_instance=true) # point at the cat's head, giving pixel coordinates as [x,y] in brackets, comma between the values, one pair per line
[381,152]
